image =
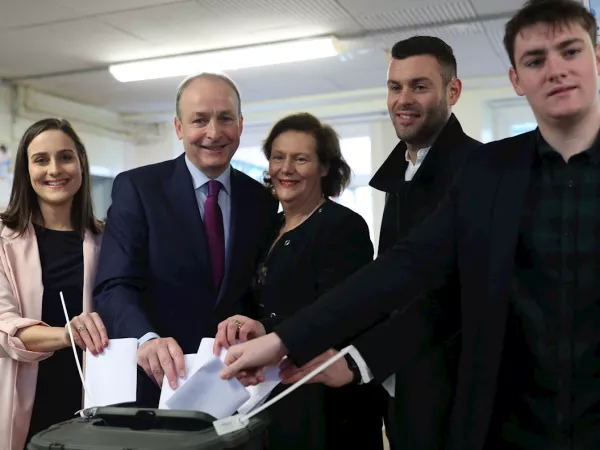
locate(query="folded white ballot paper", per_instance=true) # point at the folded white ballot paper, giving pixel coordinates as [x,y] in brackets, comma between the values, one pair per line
[111,376]
[167,392]
[205,391]
[256,395]
[259,393]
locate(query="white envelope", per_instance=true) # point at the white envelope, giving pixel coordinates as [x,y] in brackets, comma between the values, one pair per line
[259,393]
[111,376]
[167,392]
[205,391]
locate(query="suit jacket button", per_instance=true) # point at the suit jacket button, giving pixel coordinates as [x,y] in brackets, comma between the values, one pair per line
[273,315]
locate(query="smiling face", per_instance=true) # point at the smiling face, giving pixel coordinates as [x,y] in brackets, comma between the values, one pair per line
[54,168]
[295,169]
[418,99]
[556,69]
[210,125]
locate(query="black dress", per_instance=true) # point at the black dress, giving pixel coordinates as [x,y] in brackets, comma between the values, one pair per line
[305,263]
[58,391]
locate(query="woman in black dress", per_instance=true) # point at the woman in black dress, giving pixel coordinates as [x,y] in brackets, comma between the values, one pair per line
[315,244]
[50,241]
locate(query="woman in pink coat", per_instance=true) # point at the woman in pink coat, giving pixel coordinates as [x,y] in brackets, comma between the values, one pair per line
[49,242]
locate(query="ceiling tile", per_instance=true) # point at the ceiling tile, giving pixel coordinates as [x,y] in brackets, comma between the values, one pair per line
[94,7]
[490,7]
[362,8]
[415,16]
[22,13]
[86,40]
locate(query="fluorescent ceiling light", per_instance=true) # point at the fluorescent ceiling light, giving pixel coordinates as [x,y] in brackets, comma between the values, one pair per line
[219,61]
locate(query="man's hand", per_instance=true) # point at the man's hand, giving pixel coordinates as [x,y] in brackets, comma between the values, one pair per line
[336,375]
[162,356]
[234,328]
[246,361]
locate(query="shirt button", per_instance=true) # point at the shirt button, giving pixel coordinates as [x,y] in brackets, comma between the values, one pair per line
[273,315]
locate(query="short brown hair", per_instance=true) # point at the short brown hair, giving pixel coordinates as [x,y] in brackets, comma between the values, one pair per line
[428,45]
[551,12]
[23,205]
[328,150]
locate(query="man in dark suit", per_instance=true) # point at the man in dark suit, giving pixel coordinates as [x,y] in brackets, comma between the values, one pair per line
[521,227]
[182,237]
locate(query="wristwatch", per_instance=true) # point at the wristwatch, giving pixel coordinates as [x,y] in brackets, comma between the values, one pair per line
[356,376]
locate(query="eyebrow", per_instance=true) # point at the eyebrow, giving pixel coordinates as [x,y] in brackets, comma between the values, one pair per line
[542,51]
[45,153]
[412,80]
[204,114]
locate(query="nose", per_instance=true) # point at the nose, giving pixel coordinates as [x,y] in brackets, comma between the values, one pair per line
[213,130]
[405,97]
[288,166]
[555,68]
[53,168]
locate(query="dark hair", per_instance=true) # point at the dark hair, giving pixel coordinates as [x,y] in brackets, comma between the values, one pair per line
[551,12]
[428,45]
[328,150]
[210,75]
[23,205]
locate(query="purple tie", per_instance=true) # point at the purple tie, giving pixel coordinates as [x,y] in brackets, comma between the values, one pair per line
[213,224]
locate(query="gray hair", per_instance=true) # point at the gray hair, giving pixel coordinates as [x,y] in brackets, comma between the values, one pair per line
[212,75]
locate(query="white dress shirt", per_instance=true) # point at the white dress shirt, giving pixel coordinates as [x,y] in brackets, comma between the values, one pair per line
[200,181]
[390,383]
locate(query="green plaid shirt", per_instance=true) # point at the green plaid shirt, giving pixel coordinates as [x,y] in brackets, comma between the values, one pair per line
[554,319]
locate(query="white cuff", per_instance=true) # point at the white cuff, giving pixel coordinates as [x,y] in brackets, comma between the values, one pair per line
[365,372]
[390,385]
[145,338]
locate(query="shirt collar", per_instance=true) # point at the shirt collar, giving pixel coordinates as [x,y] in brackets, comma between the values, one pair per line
[421,154]
[545,151]
[200,179]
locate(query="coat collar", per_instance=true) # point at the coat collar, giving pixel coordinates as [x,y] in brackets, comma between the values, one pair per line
[390,174]
[22,257]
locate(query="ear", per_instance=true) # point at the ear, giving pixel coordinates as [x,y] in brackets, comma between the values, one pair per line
[454,89]
[324,170]
[514,79]
[597,48]
[241,124]
[177,124]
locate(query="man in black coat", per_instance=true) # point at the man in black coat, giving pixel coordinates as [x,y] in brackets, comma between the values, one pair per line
[521,227]
[422,88]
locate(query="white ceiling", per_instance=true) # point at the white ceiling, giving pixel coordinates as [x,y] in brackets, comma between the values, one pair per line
[79,38]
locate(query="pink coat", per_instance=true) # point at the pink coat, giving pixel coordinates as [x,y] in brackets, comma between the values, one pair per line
[21,294]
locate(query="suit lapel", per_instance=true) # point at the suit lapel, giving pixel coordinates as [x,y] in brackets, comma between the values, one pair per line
[441,154]
[240,232]
[515,165]
[506,219]
[181,194]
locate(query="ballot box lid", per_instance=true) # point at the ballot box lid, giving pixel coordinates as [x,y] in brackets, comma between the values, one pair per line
[144,428]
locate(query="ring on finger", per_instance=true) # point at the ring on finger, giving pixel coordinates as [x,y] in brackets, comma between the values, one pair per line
[81,328]
[238,324]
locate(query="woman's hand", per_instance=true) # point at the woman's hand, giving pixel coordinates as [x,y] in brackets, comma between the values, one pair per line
[246,361]
[236,328]
[89,332]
